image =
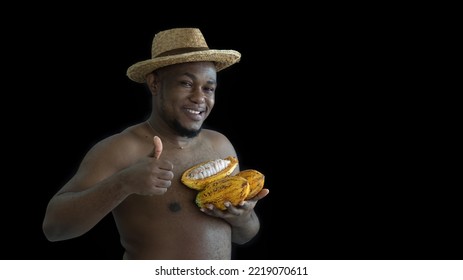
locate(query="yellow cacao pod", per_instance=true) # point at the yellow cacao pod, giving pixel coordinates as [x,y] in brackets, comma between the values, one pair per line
[202,174]
[234,189]
[255,179]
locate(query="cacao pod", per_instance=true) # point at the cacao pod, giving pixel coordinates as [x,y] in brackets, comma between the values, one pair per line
[255,179]
[234,189]
[200,175]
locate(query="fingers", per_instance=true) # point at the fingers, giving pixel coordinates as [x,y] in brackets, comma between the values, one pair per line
[164,184]
[236,209]
[263,193]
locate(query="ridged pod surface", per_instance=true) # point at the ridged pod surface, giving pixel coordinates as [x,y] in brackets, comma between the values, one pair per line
[234,189]
[202,174]
[255,179]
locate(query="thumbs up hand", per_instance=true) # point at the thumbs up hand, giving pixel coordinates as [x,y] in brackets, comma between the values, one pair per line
[151,175]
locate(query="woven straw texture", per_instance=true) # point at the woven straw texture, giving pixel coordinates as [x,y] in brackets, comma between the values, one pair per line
[180,45]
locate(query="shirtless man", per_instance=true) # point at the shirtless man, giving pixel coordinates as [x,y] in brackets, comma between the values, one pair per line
[135,174]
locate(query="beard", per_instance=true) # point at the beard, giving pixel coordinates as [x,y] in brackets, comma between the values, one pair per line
[182,131]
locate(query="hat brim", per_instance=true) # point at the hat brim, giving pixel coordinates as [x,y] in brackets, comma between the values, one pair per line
[222,59]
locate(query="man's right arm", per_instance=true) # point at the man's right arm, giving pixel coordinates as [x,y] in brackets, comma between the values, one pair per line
[104,179]
[94,191]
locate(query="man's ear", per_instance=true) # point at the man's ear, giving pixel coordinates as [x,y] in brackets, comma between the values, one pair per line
[152,83]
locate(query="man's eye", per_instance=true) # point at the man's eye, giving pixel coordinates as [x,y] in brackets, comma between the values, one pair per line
[187,84]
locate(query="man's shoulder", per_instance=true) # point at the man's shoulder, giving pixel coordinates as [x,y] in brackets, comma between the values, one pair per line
[126,136]
[219,141]
[212,133]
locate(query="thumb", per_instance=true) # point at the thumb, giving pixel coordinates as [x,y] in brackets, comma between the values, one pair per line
[157,149]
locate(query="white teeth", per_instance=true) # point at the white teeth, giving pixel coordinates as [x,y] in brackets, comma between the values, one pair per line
[209,169]
[193,112]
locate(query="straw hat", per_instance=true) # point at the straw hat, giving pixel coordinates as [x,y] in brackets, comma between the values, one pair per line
[179,45]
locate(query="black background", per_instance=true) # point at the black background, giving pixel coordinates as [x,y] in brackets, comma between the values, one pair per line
[317,103]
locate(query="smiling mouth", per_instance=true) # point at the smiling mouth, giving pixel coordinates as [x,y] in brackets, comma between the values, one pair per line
[194,112]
